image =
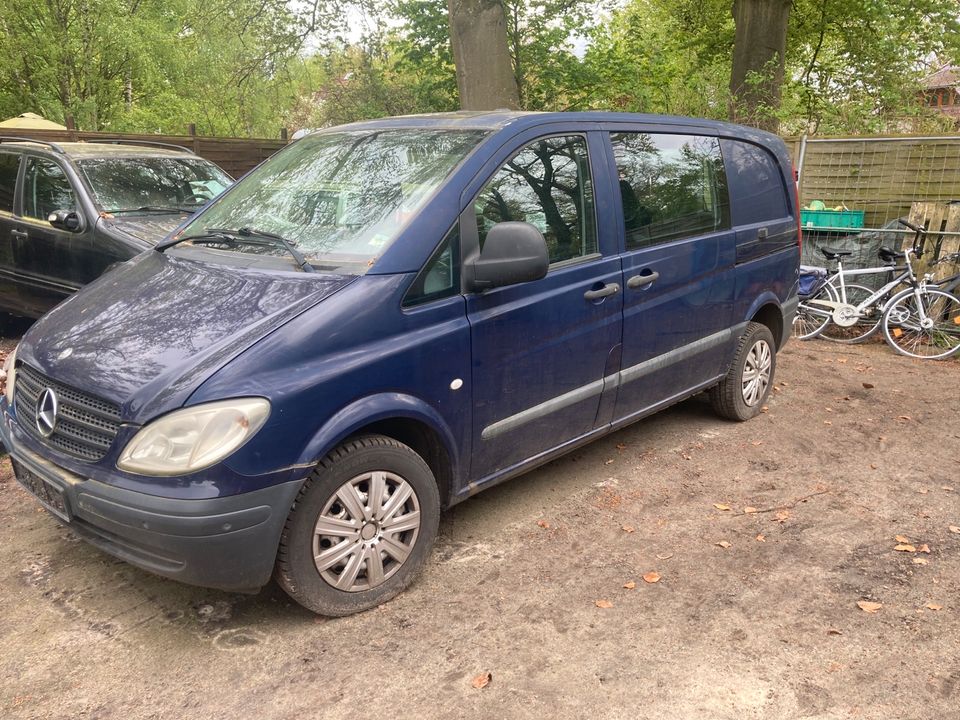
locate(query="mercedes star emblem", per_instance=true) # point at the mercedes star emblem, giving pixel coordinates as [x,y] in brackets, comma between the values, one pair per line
[47,412]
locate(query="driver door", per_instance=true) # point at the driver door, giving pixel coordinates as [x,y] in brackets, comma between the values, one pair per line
[49,260]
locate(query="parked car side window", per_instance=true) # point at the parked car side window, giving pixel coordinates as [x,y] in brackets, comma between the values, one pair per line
[440,277]
[671,186]
[9,165]
[548,185]
[755,176]
[45,189]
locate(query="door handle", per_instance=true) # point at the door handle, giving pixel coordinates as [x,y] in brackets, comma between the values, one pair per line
[611,289]
[762,234]
[639,281]
[18,234]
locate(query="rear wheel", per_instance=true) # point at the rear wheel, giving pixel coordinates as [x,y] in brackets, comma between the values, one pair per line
[811,318]
[361,528]
[744,390]
[932,335]
[866,325]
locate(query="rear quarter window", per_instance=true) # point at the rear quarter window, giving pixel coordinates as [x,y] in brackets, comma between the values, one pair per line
[756,184]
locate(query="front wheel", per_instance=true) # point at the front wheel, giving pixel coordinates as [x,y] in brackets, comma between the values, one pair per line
[745,388]
[923,324]
[361,528]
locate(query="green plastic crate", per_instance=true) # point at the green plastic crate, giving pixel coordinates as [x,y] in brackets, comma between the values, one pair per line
[831,219]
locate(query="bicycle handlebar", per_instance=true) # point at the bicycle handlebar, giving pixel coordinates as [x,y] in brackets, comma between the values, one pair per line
[910,225]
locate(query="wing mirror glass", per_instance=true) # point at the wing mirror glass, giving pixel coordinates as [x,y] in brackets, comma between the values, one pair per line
[66,220]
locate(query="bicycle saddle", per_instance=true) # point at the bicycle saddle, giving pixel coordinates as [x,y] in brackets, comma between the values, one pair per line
[888,255]
[831,254]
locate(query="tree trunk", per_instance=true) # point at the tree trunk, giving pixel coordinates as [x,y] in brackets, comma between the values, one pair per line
[759,46]
[478,37]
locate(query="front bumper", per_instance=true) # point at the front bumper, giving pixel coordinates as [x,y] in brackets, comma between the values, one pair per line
[228,542]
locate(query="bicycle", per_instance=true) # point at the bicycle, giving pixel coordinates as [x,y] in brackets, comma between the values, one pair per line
[924,322]
[846,312]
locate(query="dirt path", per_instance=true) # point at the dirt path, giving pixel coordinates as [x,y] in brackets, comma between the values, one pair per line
[765,536]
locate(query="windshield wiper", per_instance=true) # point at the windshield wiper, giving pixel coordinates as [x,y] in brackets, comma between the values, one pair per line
[241,236]
[153,208]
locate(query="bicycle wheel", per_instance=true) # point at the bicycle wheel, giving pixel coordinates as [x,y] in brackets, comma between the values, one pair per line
[810,320]
[933,334]
[865,326]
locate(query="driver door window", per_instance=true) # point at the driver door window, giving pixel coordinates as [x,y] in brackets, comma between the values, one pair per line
[45,189]
[548,185]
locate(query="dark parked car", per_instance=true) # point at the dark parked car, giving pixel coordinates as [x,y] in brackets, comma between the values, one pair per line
[387,317]
[68,211]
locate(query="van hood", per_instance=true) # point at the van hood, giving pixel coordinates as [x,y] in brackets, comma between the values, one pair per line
[147,334]
[150,229]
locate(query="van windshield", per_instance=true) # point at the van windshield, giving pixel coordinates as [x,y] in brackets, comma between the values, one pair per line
[341,197]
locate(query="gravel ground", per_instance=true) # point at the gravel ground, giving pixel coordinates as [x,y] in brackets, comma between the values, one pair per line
[762,538]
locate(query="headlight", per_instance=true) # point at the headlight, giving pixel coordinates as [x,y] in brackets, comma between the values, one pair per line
[194,438]
[11,375]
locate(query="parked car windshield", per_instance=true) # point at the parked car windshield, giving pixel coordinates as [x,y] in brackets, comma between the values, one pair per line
[128,183]
[340,197]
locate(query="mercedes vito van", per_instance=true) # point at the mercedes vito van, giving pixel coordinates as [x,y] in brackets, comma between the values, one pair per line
[387,317]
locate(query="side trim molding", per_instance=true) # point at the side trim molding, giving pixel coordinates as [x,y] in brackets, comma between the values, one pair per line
[634,372]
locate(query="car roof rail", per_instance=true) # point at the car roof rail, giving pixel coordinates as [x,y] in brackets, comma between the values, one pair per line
[52,145]
[153,143]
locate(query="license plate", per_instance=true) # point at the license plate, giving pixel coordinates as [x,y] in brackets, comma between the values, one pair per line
[47,493]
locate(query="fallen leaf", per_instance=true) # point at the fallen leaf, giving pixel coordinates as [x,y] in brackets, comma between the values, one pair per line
[605,604]
[757,443]
[827,422]
[905,548]
[544,524]
[761,538]
[954,529]
[764,409]
[628,528]
[923,491]
[665,557]
[901,538]
[651,577]
[869,607]
[482,680]
[630,585]
[608,462]
[721,506]
[834,631]
[749,510]
[873,466]
[868,386]
[723,543]
[621,447]
[924,548]
[947,488]
[921,561]
[904,417]
[782,516]
[933,606]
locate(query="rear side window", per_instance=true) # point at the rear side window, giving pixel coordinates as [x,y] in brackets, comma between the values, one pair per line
[755,183]
[9,164]
[45,189]
[671,186]
[548,185]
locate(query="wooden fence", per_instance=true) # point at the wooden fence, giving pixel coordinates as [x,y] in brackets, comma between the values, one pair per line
[883,176]
[235,155]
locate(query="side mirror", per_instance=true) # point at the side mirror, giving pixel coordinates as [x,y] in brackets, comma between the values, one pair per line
[66,220]
[514,252]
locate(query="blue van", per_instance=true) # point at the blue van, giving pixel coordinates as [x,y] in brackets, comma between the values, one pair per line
[387,317]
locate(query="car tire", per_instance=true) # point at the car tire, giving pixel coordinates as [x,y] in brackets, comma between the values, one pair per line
[744,390]
[341,551]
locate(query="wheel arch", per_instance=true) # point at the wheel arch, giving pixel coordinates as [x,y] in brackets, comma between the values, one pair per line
[766,310]
[401,417]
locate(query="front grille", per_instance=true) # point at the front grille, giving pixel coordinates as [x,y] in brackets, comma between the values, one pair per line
[86,425]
